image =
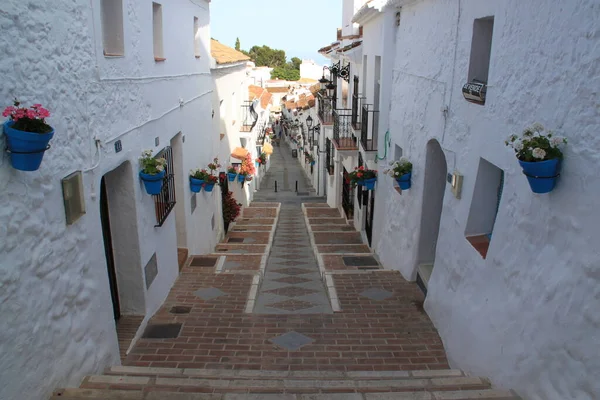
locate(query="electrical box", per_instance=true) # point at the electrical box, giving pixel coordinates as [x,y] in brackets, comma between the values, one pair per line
[456,183]
[72,187]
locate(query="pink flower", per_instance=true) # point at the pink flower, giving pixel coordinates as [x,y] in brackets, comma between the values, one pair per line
[43,113]
[36,105]
[31,114]
[8,111]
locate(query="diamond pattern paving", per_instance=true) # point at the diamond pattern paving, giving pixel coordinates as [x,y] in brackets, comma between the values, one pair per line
[292,291]
[292,280]
[291,340]
[292,271]
[292,305]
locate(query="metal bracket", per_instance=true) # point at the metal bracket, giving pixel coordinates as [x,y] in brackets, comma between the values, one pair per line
[344,73]
[541,177]
[26,152]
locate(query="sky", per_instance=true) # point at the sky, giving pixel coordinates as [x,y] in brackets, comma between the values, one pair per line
[298,27]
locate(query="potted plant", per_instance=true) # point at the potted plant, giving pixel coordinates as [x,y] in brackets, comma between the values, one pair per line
[231,173]
[262,159]
[401,171]
[209,182]
[152,172]
[197,177]
[363,177]
[27,135]
[231,209]
[310,159]
[539,156]
[247,168]
[211,179]
[241,177]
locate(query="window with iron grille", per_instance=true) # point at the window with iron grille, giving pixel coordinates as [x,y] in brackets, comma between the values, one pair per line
[164,202]
[329,157]
[359,189]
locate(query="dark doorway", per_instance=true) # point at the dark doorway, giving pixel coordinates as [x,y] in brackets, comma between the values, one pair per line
[370,210]
[347,196]
[108,250]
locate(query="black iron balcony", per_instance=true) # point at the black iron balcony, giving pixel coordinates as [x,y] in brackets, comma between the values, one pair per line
[369,128]
[357,104]
[325,109]
[343,133]
[329,156]
[248,117]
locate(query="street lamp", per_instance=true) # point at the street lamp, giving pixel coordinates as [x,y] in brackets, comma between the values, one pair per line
[309,122]
[330,90]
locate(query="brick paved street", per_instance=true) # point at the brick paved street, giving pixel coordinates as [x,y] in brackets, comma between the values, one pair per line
[381,325]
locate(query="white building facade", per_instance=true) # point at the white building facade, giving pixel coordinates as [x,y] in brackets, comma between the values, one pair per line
[118,77]
[508,273]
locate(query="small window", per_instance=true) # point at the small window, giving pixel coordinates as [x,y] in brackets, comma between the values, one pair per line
[484,206]
[196,38]
[157,29]
[112,28]
[481,50]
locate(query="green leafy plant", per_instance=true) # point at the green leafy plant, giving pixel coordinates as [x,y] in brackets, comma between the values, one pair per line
[32,119]
[231,208]
[399,168]
[199,174]
[151,165]
[360,174]
[534,145]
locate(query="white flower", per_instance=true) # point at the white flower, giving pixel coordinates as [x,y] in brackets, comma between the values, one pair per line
[538,153]
[518,146]
[537,127]
[403,160]
[160,168]
[556,140]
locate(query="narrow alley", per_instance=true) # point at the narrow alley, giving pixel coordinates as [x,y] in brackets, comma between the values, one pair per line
[256,320]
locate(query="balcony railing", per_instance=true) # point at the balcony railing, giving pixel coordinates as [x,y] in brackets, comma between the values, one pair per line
[247,117]
[357,104]
[369,129]
[343,133]
[325,109]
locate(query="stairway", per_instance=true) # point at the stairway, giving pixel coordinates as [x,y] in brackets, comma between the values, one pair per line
[145,383]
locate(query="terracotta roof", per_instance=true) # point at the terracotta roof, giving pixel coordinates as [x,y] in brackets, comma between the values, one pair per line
[314,89]
[350,46]
[225,54]
[256,92]
[306,80]
[277,89]
[328,48]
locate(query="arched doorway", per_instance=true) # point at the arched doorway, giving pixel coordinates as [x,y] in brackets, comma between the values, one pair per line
[121,245]
[431,213]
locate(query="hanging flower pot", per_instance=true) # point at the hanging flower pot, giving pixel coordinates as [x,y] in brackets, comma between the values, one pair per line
[370,183]
[541,175]
[404,181]
[27,135]
[196,184]
[153,172]
[153,182]
[231,176]
[241,178]
[210,182]
[312,163]
[539,156]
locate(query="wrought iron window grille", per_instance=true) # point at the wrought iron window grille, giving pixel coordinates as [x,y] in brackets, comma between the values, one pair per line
[164,202]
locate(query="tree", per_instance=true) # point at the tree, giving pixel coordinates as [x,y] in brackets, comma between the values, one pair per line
[237,44]
[266,56]
[286,72]
[296,63]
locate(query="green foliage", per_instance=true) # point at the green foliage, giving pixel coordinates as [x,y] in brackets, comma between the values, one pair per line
[296,63]
[535,146]
[285,72]
[266,56]
[237,44]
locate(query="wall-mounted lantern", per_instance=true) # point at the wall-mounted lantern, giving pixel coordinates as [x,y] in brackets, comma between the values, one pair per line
[475,92]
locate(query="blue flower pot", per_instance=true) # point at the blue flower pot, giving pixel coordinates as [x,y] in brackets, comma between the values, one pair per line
[208,187]
[404,181]
[312,163]
[196,184]
[26,148]
[370,183]
[153,183]
[241,178]
[541,175]
[231,176]
[256,164]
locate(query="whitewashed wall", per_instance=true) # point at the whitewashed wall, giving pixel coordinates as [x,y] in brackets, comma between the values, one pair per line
[55,290]
[528,315]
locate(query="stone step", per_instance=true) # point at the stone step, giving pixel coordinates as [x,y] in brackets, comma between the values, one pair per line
[282,385]
[81,394]
[266,374]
